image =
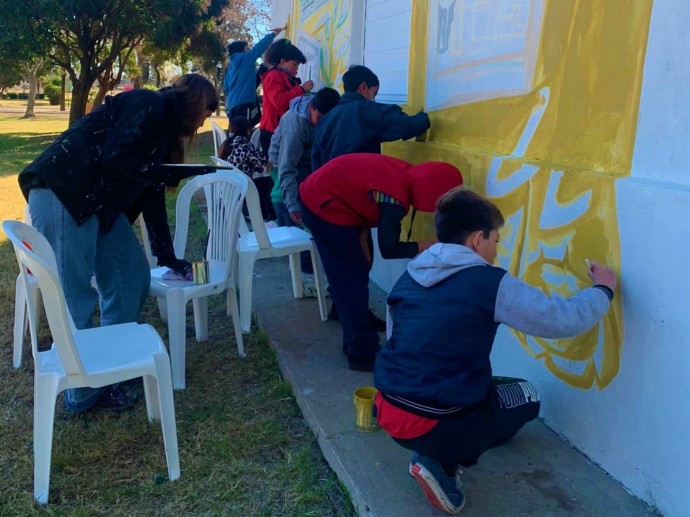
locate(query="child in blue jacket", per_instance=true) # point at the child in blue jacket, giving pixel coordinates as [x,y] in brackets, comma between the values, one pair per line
[437,396]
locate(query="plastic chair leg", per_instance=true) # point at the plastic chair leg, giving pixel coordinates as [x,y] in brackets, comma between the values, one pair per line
[200,307]
[246,278]
[45,396]
[20,321]
[235,313]
[177,323]
[320,281]
[296,274]
[163,309]
[153,408]
[167,411]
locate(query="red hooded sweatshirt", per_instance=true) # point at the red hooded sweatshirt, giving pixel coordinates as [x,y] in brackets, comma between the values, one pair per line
[339,191]
[279,90]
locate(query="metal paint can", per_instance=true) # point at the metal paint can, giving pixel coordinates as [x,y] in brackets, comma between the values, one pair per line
[200,272]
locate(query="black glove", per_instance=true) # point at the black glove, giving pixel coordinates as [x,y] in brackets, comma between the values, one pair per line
[179,266]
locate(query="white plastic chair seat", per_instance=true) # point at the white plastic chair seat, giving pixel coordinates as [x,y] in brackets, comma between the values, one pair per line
[109,354]
[282,238]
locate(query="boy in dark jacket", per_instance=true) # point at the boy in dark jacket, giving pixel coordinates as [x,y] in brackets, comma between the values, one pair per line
[437,395]
[358,124]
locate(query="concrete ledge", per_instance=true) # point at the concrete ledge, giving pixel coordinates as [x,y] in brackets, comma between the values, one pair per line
[535,474]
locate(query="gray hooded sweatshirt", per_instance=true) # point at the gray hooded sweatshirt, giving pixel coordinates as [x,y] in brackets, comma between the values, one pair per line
[518,305]
[290,149]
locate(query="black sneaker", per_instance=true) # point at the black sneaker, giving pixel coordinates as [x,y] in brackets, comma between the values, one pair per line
[376,323]
[442,491]
[114,399]
[333,313]
[361,363]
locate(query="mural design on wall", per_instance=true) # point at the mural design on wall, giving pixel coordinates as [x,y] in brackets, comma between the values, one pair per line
[540,103]
[324,37]
[550,220]
[483,49]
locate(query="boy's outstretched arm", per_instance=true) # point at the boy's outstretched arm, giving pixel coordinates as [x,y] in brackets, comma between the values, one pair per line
[529,310]
[395,124]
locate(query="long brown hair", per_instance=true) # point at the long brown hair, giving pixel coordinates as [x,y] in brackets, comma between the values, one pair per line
[194,96]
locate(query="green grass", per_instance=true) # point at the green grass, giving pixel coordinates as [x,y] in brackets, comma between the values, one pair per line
[244,448]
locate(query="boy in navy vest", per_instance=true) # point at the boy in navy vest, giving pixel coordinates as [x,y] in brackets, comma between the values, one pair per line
[437,396]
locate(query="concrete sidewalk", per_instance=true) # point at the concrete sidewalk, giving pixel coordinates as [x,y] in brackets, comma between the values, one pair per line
[535,474]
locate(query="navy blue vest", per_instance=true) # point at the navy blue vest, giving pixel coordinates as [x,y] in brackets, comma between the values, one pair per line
[438,355]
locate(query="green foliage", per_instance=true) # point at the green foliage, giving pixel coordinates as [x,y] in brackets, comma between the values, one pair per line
[151,87]
[53,92]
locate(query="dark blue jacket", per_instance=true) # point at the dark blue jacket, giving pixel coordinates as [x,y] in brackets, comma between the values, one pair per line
[437,359]
[357,125]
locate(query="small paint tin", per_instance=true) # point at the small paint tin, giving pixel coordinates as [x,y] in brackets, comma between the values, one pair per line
[200,272]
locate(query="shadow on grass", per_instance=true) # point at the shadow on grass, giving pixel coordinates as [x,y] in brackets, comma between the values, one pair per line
[19,149]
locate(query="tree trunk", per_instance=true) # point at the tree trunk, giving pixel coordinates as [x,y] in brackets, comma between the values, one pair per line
[80,96]
[105,84]
[63,90]
[145,72]
[32,79]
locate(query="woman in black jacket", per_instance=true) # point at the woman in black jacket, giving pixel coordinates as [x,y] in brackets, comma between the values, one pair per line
[87,188]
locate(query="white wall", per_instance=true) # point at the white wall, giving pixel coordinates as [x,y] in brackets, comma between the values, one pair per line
[637,428]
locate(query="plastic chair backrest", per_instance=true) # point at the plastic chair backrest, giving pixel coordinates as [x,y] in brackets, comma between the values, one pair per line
[35,253]
[225,192]
[219,136]
[251,193]
[255,139]
[146,243]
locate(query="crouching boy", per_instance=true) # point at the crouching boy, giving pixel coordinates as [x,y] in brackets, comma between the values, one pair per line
[437,396]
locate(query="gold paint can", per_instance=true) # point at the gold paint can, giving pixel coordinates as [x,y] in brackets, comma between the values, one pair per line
[200,273]
[364,409]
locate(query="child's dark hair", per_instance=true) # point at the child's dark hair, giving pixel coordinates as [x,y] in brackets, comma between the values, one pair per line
[239,126]
[460,213]
[356,75]
[325,100]
[236,47]
[283,49]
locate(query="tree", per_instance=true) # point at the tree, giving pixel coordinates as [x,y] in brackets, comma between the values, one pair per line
[10,74]
[85,37]
[32,70]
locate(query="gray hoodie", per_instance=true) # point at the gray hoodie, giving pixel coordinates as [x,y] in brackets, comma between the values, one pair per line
[518,305]
[290,149]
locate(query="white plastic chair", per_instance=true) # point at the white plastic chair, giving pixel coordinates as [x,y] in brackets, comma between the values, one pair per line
[219,136]
[265,242]
[27,299]
[225,194]
[87,358]
[255,139]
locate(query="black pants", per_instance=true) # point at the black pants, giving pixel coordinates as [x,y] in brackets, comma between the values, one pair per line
[265,185]
[460,440]
[347,270]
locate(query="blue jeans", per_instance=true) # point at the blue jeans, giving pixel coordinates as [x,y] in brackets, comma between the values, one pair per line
[116,258]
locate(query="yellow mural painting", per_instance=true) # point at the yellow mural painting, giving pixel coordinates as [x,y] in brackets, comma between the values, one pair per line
[536,101]
[323,34]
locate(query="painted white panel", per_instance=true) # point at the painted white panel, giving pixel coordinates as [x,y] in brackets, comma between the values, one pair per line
[280,11]
[662,151]
[387,46]
[481,49]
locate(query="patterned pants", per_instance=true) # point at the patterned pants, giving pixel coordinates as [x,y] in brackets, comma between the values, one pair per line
[509,404]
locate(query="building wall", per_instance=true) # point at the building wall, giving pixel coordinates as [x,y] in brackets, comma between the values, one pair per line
[573,117]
